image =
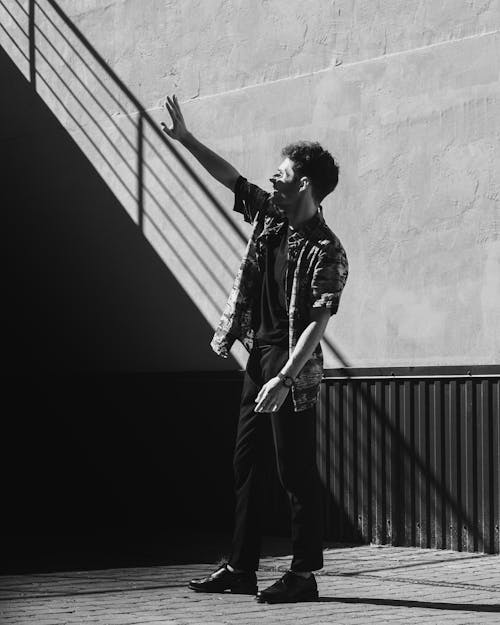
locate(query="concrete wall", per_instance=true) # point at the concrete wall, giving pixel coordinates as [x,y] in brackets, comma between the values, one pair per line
[405,95]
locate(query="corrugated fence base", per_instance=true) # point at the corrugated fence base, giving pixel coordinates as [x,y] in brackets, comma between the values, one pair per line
[411,460]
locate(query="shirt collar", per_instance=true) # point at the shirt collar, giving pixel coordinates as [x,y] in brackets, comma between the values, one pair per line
[307,227]
[302,231]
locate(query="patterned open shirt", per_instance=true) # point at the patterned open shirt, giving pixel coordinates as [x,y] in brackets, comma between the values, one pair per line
[316,273]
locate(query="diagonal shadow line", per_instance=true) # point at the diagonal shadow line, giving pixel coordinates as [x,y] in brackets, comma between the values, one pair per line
[31,27]
[31,40]
[82,59]
[183,262]
[75,97]
[408,603]
[185,265]
[96,147]
[142,188]
[132,171]
[140,108]
[101,154]
[143,114]
[14,41]
[121,132]
[140,172]
[188,192]
[383,418]
[336,352]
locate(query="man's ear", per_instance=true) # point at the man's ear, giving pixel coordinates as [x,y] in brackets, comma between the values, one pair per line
[304,183]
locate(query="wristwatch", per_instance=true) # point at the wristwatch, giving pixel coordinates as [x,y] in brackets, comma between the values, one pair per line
[286,380]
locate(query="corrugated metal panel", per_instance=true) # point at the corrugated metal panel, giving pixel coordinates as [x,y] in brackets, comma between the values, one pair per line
[410,461]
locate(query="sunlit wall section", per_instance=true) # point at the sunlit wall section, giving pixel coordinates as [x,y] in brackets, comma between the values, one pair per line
[15,32]
[88,102]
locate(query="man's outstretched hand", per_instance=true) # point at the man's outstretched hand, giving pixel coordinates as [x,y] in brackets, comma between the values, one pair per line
[178,130]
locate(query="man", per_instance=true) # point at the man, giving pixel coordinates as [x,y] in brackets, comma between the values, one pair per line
[288,285]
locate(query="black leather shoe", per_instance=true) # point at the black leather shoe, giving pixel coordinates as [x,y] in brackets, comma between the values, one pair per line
[290,588]
[237,583]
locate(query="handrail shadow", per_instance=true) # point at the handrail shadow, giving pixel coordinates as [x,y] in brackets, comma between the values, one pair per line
[121,132]
[142,192]
[140,108]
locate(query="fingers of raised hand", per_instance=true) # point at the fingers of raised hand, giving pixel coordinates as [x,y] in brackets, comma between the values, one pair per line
[170,108]
[173,108]
[177,107]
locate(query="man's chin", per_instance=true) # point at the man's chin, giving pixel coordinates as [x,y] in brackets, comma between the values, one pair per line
[277,205]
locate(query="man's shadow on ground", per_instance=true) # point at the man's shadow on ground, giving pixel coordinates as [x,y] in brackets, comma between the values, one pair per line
[405,603]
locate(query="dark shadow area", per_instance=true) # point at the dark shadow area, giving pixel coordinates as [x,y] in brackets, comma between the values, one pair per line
[116,470]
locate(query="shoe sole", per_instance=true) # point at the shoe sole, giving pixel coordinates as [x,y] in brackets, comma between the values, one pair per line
[225,590]
[310,596]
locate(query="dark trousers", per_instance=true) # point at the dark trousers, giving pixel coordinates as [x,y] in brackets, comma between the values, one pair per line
[293,435]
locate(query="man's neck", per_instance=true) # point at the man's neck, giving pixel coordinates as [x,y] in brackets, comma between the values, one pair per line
[302,214]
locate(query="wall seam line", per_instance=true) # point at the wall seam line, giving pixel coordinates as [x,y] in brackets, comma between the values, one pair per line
[325,69]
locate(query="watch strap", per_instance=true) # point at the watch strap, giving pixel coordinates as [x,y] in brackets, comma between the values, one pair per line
[284,378]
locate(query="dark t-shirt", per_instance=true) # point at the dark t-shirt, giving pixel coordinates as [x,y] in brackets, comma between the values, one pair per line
[273,318]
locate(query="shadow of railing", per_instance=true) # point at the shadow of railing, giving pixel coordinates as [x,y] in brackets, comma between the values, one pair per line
[175,210]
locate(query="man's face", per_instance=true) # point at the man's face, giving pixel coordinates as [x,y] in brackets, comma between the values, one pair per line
[286,186]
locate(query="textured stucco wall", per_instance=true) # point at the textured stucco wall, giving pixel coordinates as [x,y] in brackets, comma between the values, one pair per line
[406,96]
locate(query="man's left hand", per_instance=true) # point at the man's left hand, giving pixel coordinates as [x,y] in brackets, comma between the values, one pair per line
[271,396]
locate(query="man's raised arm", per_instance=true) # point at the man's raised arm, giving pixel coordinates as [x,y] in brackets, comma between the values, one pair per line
[220,169]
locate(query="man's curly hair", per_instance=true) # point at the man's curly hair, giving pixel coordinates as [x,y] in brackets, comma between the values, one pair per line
[311,160]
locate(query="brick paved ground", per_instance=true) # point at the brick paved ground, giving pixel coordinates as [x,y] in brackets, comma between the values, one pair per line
[363,584]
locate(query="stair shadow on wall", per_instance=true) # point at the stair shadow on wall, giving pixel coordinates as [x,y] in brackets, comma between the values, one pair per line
[85,290]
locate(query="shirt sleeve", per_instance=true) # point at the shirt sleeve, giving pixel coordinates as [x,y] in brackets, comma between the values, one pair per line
[249,199]
[329,278]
